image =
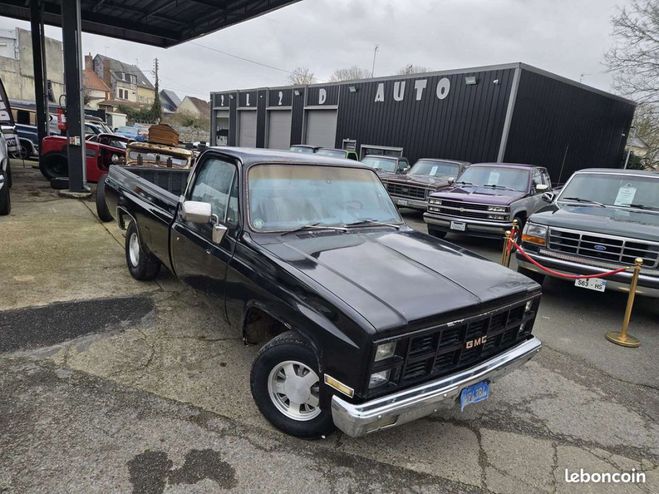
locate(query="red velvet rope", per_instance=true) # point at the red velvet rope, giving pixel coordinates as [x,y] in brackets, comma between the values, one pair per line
[561,275]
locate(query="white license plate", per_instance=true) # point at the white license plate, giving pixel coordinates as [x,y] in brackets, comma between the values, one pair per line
[597,284]
[402,202]
[458,225]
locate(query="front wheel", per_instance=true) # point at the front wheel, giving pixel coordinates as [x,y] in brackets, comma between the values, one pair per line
[54,165]
[5,199]
[143,265]
[286,385]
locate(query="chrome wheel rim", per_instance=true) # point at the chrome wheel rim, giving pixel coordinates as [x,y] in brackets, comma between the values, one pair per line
[134,249]
[294,389]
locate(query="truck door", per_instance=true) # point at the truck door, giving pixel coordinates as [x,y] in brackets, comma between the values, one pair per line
[196,259]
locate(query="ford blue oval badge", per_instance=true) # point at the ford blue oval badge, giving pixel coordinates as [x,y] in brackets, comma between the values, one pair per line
[599,247]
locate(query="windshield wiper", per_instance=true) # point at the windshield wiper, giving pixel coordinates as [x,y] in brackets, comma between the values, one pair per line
[641,206]
[463,183]
[371,222]
[495,186]
[582,200]
[316,226]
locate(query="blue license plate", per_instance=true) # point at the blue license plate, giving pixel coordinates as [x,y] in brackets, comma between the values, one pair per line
[474,393]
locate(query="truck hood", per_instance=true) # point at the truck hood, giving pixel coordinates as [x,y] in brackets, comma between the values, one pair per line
[480,195]
[638,224]
[423,180]
[393,278]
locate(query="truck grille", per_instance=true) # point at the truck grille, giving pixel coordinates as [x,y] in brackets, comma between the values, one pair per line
[407,191]
[464,209]
[444,349]
[617,250]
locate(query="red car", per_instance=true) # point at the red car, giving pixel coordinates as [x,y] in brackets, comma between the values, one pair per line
[101,151]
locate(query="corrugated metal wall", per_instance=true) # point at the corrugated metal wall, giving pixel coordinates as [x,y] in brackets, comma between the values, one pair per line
[566,127]
[466,124]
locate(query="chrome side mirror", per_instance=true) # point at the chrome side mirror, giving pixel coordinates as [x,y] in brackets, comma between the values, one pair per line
[541,187]
[451,180]
[548,196]
[196,212]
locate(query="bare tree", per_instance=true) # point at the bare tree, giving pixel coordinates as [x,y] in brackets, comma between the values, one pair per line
[413,69]
[634,59]
[349,74]
[301,76]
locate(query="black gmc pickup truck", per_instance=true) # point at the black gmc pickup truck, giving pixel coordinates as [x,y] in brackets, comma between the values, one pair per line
[367,324]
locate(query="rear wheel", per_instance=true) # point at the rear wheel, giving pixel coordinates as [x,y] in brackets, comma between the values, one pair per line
[143,265]
[54,165]
[435,232]
[102,209]
[534,275]
[286,386]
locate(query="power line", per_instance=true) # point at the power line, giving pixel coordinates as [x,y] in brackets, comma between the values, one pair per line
[241,58]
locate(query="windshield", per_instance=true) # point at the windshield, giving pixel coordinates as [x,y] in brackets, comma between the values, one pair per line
[496,177]
[379,163]
[431,168]
[286,197]
[613,190]
[334,153]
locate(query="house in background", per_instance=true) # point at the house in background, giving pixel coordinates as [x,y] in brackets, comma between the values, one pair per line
[194,107]
[127,82]
[169,101]
[16,68]
[95,89]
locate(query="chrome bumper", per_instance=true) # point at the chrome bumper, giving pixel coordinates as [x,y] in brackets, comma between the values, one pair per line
[411,404]
[473,226]
[648,285]
[409,203]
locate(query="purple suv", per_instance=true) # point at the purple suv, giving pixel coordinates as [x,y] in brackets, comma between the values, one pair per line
[486,199]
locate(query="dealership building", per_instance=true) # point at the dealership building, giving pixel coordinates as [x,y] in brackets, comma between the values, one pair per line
[506,113]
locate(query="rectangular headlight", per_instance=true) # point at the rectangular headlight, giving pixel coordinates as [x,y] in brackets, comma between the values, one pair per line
[435,201]
[497,209]
[379,378]
[534,234]
[385,351]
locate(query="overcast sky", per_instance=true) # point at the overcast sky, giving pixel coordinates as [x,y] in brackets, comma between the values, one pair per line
[568,37]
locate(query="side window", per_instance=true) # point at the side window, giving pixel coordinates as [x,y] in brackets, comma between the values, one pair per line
[402,164]
[213,185]
[546,178]
[536,177]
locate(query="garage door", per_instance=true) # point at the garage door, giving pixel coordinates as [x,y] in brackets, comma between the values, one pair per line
[247,129]
[221,128]
[321,127]
[279,129]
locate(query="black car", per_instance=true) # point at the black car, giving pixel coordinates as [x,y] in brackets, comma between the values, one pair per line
[367,323]
[602,219]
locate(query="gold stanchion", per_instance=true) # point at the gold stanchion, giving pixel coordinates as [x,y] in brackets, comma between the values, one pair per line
[622,338]
[505,255]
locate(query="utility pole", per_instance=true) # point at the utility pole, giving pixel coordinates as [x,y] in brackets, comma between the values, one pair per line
[375,52]
[156,110]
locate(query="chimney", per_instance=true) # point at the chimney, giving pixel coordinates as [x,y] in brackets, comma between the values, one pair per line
[88,62]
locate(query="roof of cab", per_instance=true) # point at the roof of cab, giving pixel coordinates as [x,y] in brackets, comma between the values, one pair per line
[459,162]
[509,165]
[620,171]
[250,156]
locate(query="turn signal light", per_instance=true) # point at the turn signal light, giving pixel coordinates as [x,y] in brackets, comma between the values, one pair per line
[532,239]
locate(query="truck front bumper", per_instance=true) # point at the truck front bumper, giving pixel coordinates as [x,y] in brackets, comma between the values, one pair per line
[406,202]
[410,404]
[478,228]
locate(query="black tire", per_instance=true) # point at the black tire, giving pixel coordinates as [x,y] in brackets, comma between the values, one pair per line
[54,165]
[142,265]
[288,346]
[10,180]
[534,275]
[25,152]
[102,209]
[5,199]
[436,232]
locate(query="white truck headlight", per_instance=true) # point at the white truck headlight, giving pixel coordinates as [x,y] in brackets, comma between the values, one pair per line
[497,209]
[379,378]
[385,351]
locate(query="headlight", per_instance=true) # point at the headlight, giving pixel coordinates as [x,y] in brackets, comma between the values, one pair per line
[435,201]
[385,351]
[114,158]
[500,217]
[534,234]
[379,378]
[497,209]
[528,306]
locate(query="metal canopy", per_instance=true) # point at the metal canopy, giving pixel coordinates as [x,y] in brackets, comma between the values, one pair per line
[161,23]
